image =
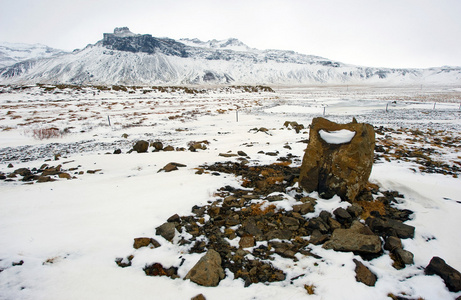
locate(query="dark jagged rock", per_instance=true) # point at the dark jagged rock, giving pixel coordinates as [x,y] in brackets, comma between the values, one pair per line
[166,230]
[451,276]
[124,40]
[363,274]
[388,227]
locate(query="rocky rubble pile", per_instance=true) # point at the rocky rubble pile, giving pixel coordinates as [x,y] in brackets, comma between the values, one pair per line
[264,230]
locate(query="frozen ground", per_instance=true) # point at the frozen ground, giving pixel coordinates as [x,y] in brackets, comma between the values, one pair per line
[67,233]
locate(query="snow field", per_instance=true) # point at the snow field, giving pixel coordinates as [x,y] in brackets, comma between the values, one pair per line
[69,232]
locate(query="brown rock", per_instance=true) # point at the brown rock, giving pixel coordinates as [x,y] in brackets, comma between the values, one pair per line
[350,240]
[208,270]
[141,146]
[65,175]
[198,297]
[341,169]
[247,241]
[144,242]
[363,274]
[166,230]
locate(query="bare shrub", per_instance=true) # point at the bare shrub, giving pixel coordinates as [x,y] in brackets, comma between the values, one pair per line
[46,133]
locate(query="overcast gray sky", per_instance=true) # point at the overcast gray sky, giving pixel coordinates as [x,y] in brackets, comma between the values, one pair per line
[381,33]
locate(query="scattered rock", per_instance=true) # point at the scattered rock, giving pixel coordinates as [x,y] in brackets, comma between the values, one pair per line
[65,175]
[342,168]
[241,153]
[157,269]
[363,274]
[144,242]
[208,270]
[349,240]
[10,165]
[93,171]
[227,154]
[141,146]
[198,297]
[247,241]
[158,146]
[402,258]
[388,227]
[166,230]
[172,166]
[117,151]
[451,276]
[168,148]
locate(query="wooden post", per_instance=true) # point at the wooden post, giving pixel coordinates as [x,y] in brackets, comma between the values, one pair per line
[324,110]
[434,105]
[108,119]
[387,105]
[237,115]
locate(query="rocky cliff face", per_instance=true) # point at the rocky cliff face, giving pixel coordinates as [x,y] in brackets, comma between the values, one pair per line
[126,58]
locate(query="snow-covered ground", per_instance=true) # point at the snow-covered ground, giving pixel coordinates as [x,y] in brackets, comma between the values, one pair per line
[67,233]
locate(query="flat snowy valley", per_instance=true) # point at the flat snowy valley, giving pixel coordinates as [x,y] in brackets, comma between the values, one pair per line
[60,239]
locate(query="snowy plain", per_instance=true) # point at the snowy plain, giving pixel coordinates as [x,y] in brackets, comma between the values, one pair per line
[68,233]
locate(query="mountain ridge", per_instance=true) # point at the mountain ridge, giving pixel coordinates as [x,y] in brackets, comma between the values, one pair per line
[123,57]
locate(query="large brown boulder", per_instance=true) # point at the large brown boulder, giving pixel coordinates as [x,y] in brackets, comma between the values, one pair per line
[338,158]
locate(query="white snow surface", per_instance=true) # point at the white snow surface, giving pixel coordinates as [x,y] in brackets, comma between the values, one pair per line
[69,232]
[342,136]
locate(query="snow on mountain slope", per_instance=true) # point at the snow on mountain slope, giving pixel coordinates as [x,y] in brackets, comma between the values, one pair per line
[126,58]
[12,53]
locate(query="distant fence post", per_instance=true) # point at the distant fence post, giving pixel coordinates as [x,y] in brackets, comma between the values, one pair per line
[108,119]
[387,106]
[434,105]
[237,115]
[324,110]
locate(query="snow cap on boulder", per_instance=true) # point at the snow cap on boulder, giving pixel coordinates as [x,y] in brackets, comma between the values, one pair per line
[338,158]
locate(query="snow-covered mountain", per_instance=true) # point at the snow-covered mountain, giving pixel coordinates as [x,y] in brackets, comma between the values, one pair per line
[12,53]
[127,58]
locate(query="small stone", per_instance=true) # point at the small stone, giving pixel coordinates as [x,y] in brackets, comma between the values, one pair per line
[65,175]
[10,165]
[208,270]
[158,146]
[227,154]
[404,257]
[392,243]
[363,274]
[117,151]
[355,210]
[174,218]
[342,215]
[144,242]
[303,208]
[247,241]
[168,148]
[166,230]
[450,276]
[141,146]
[198,297]
[241,153]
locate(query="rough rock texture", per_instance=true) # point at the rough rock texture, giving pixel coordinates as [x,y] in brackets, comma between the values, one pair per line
[166,230]
[341,169]
[451,276]
[350,240]
[363,274]
[207,271]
